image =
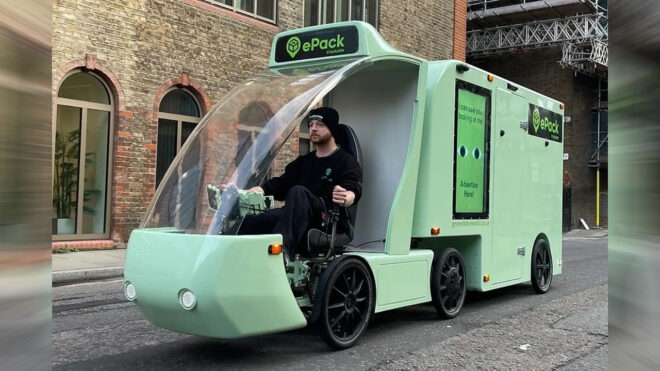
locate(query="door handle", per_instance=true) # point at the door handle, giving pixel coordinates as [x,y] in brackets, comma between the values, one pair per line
[523,125]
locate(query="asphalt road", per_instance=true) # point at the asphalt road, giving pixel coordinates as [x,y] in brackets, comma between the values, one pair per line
[94,327]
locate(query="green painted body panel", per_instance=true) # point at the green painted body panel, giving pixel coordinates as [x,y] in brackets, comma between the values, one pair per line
[401,280]
[241,290]
[524,191]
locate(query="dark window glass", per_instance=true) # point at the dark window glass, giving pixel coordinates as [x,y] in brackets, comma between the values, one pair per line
[179,102]
[329,11]
[356,10]
[342,10]
[247,5]
[311,12]
[372,12]
[186,129]
[84,86]
[265,9]
[166,147]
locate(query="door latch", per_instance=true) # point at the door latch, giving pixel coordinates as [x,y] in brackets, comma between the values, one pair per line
[523,125]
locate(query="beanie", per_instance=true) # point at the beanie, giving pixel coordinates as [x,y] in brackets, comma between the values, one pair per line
[329,117]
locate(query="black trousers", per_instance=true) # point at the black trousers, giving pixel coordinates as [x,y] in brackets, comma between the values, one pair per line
[302,210]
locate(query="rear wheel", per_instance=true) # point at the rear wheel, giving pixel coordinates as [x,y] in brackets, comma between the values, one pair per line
[541,267]
[448,283]
[348,301]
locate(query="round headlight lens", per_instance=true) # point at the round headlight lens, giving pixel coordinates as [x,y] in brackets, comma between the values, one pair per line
[188,299]
[129,291]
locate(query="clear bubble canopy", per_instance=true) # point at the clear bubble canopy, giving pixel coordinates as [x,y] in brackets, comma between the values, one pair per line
[233,147]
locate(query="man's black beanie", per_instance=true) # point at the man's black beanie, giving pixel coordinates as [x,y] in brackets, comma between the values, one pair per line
[329,117]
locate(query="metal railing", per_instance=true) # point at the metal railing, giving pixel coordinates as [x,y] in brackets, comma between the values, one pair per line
[575,30]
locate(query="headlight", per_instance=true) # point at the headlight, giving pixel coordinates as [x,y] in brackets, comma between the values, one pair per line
[187,299]
[129,291]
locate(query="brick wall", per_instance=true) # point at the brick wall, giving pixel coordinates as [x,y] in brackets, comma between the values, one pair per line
[143,44]
[539,70]
[142,47]
[424,28]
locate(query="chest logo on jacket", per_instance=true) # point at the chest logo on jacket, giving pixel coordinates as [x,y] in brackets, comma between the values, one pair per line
[328,171]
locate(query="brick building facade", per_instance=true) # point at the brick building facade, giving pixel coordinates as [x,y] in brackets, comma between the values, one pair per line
[142,49]
[543,73]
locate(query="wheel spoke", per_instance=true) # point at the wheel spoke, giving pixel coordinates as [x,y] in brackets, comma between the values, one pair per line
[339,291]
[337,305]
[443,287]
[348,285]
[352,289]
[337,319]
[444,300]
[357,310]
[360,300]
[358,288]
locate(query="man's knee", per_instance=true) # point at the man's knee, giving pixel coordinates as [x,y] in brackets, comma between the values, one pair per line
[297,192]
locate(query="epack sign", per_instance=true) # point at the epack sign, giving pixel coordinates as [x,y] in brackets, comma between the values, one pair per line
[316,44]
[544,123]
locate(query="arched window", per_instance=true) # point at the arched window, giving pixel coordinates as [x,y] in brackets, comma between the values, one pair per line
[81,157]
[178,114]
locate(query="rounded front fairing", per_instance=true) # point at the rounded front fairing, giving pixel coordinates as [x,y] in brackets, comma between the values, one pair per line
[231,150]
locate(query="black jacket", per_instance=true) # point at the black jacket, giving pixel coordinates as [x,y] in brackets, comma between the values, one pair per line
[319,175]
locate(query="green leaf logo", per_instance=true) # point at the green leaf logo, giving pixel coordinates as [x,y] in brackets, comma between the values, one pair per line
[536,119]
[328,171]
[293,46]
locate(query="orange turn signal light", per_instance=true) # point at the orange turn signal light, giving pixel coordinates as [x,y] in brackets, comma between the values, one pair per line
[490,78]
[435,231]
[561,106]
[486,278]
[275,249]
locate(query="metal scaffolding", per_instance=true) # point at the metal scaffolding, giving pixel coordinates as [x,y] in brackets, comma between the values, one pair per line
[541,24]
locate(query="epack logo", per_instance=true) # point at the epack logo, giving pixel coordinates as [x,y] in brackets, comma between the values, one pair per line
[545,123]
[293,46]
[317,44]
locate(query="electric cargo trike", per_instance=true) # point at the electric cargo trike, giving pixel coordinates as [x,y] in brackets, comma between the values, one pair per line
[462,175]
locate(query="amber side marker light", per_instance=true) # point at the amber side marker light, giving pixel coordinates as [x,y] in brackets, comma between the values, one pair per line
[435,231]
[486,278]
[490,78]
[275,249]
[561,106]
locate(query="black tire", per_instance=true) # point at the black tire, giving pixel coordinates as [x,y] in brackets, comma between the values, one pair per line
[541,266]
[448,283]
[348,304]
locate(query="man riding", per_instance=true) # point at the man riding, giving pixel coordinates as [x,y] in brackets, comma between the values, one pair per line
[309,185]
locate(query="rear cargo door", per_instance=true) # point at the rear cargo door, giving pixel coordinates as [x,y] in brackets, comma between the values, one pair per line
[509,180]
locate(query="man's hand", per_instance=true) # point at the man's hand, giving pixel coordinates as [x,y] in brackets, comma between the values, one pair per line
[342,197]
[256,189]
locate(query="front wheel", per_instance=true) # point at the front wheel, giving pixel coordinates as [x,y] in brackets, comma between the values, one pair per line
[348,301]
[541,267]
[448,283]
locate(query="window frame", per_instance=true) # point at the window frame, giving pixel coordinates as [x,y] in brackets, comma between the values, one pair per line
[487,94]
[254,14]
[84,107]
[321,6]
[180,119]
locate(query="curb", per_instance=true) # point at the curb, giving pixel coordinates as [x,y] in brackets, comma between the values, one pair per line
[85,275]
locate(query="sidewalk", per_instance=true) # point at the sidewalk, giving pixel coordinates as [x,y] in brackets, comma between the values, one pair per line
[83,266]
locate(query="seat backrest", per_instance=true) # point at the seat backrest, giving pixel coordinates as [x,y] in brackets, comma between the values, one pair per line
[349,142]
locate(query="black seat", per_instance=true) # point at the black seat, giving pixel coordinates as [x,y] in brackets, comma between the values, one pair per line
[318,242]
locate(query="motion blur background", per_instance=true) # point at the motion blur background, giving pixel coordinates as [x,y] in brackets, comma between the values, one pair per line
[25,184]
[634,236]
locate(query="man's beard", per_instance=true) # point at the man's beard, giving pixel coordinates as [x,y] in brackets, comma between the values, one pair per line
[321,140]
